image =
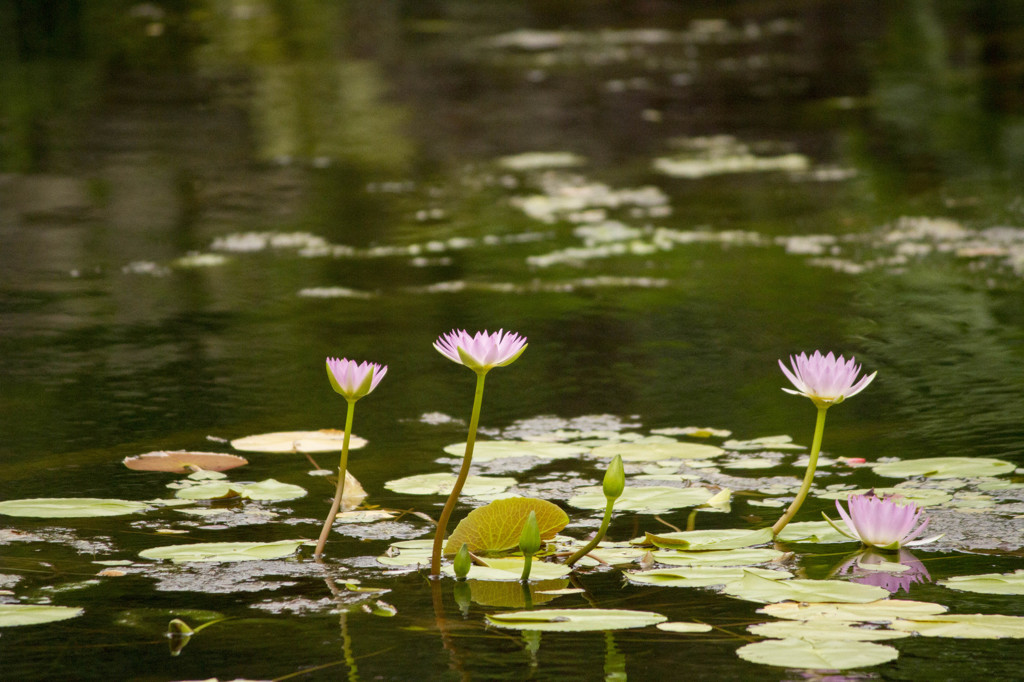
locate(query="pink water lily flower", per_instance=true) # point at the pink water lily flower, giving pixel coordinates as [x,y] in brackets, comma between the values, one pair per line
[482,351]
[354,380]
[884,522]
[825,379]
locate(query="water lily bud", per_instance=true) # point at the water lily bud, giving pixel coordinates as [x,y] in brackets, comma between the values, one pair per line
[529,539]
[462,562]
[614,479]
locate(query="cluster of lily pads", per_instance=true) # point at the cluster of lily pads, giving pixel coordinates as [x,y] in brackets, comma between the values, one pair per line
[510,551]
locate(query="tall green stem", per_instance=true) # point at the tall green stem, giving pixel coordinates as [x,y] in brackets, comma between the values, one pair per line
[812,463]
[467,458]
[580,553]
[340,491]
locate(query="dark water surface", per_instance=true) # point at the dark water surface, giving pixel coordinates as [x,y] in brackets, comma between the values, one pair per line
[199,201]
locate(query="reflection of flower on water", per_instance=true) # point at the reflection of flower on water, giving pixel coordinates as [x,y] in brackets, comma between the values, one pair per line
[888,571]
[834,677]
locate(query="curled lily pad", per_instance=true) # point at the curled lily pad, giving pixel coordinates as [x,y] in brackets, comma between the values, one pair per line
[223,551]
[945,467]
[70,507]
[988,583]
[442,484]
[881,611]
[657,451]
[496,527]
[823,655]
[488,450]
[574,620]
[705,540]
[755,587]
[35,614]
[324,440]
[183,461]
[647,500]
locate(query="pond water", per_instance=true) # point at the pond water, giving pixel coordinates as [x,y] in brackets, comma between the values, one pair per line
[199,202]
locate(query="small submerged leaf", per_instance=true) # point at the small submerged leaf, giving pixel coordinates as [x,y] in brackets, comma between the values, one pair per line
[70,507]
[647,500]
[442,484]
[821,655]
[223,551]
[945,467]
[496,527]
[657,451]
[183,461]
[575,620]
[988,583]
[12,615]
[324,440]
[704,540]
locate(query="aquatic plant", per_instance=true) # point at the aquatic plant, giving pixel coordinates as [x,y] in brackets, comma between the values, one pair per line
[529,543]
[884,522]
[481,352]
[827,381]
[353,381]
[612,486]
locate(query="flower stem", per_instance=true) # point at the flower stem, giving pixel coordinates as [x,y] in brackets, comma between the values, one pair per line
[527,565]
[467,458]
[340,491]
[580,553]
[812,463]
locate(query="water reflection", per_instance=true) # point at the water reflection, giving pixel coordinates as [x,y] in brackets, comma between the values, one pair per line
[892,571]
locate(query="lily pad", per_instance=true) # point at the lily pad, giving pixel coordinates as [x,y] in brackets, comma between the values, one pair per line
[407,553]
[35,614]
[269,490]
[818,532]
[488,450]
[988,583]
[677,626]
[827,655]
[754,587]
[763,443]
[442,484]
[511,568]
[968,626]
[699,576]
[945,467]
[729,557]
[881,611]
[657,451]
[705,540]
[496,527]
[648,500]
[823,629]
[223,551]
[324,440]
[922,497]
[70,507]
[574,620]
[183,461]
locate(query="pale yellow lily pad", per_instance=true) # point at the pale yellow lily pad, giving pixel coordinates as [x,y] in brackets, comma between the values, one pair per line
[681,627]
[745,556]
[699,576]
[70,507]
[647,500]
[656,451]
[324,440]
[945,467]
[442,484]
[12,615]
[987,583]
[754,587]
[511,568]
[823,629]
[967,626]
[822,655]
[488,450]
[574,620]
[705,540]
[880,611]
[223,551]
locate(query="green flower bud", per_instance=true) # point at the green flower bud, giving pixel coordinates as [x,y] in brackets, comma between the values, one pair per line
[462,562]
[529,539]
[614,479]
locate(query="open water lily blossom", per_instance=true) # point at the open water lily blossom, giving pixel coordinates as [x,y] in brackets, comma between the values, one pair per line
[883,522]
[482,351]
[825,379]
[352,379]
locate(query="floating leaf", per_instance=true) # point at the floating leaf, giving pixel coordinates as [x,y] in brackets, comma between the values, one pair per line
[182,461]
[70,507]
[822,629]
[211,490]
[704,540]
[922,497]
[648,500]
[676,626]
[699,576]
[799,653]
[763,443]
[728,557]
[988,583]
[223,551]
[819,532]
[653,452]
[574,620]
[754,587]
[608,555]
[488,450]
[442,484]
[35,614]
[945,467]
[511,568]
[270,490]
[407,553]
[881,611]
[496,527]
[970,626]
[324,440]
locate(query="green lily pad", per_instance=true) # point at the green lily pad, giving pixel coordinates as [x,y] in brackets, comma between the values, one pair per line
[12,615]
[496,527]
[648,500]
[442,484]
[922,497]
[574,620]
[406,553]
[677,626]
[705,540]
[699,576]
[654,452]
[945,467]
[818,532]
[223,551]
[324,440]
[754,587]
[70,507]
[763,443]
[729,557]
[987,583]
[269,490]
[822,629]
[210,490]
[881,611]
[511,568]
[488,450]
[969,626]
[827,655]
